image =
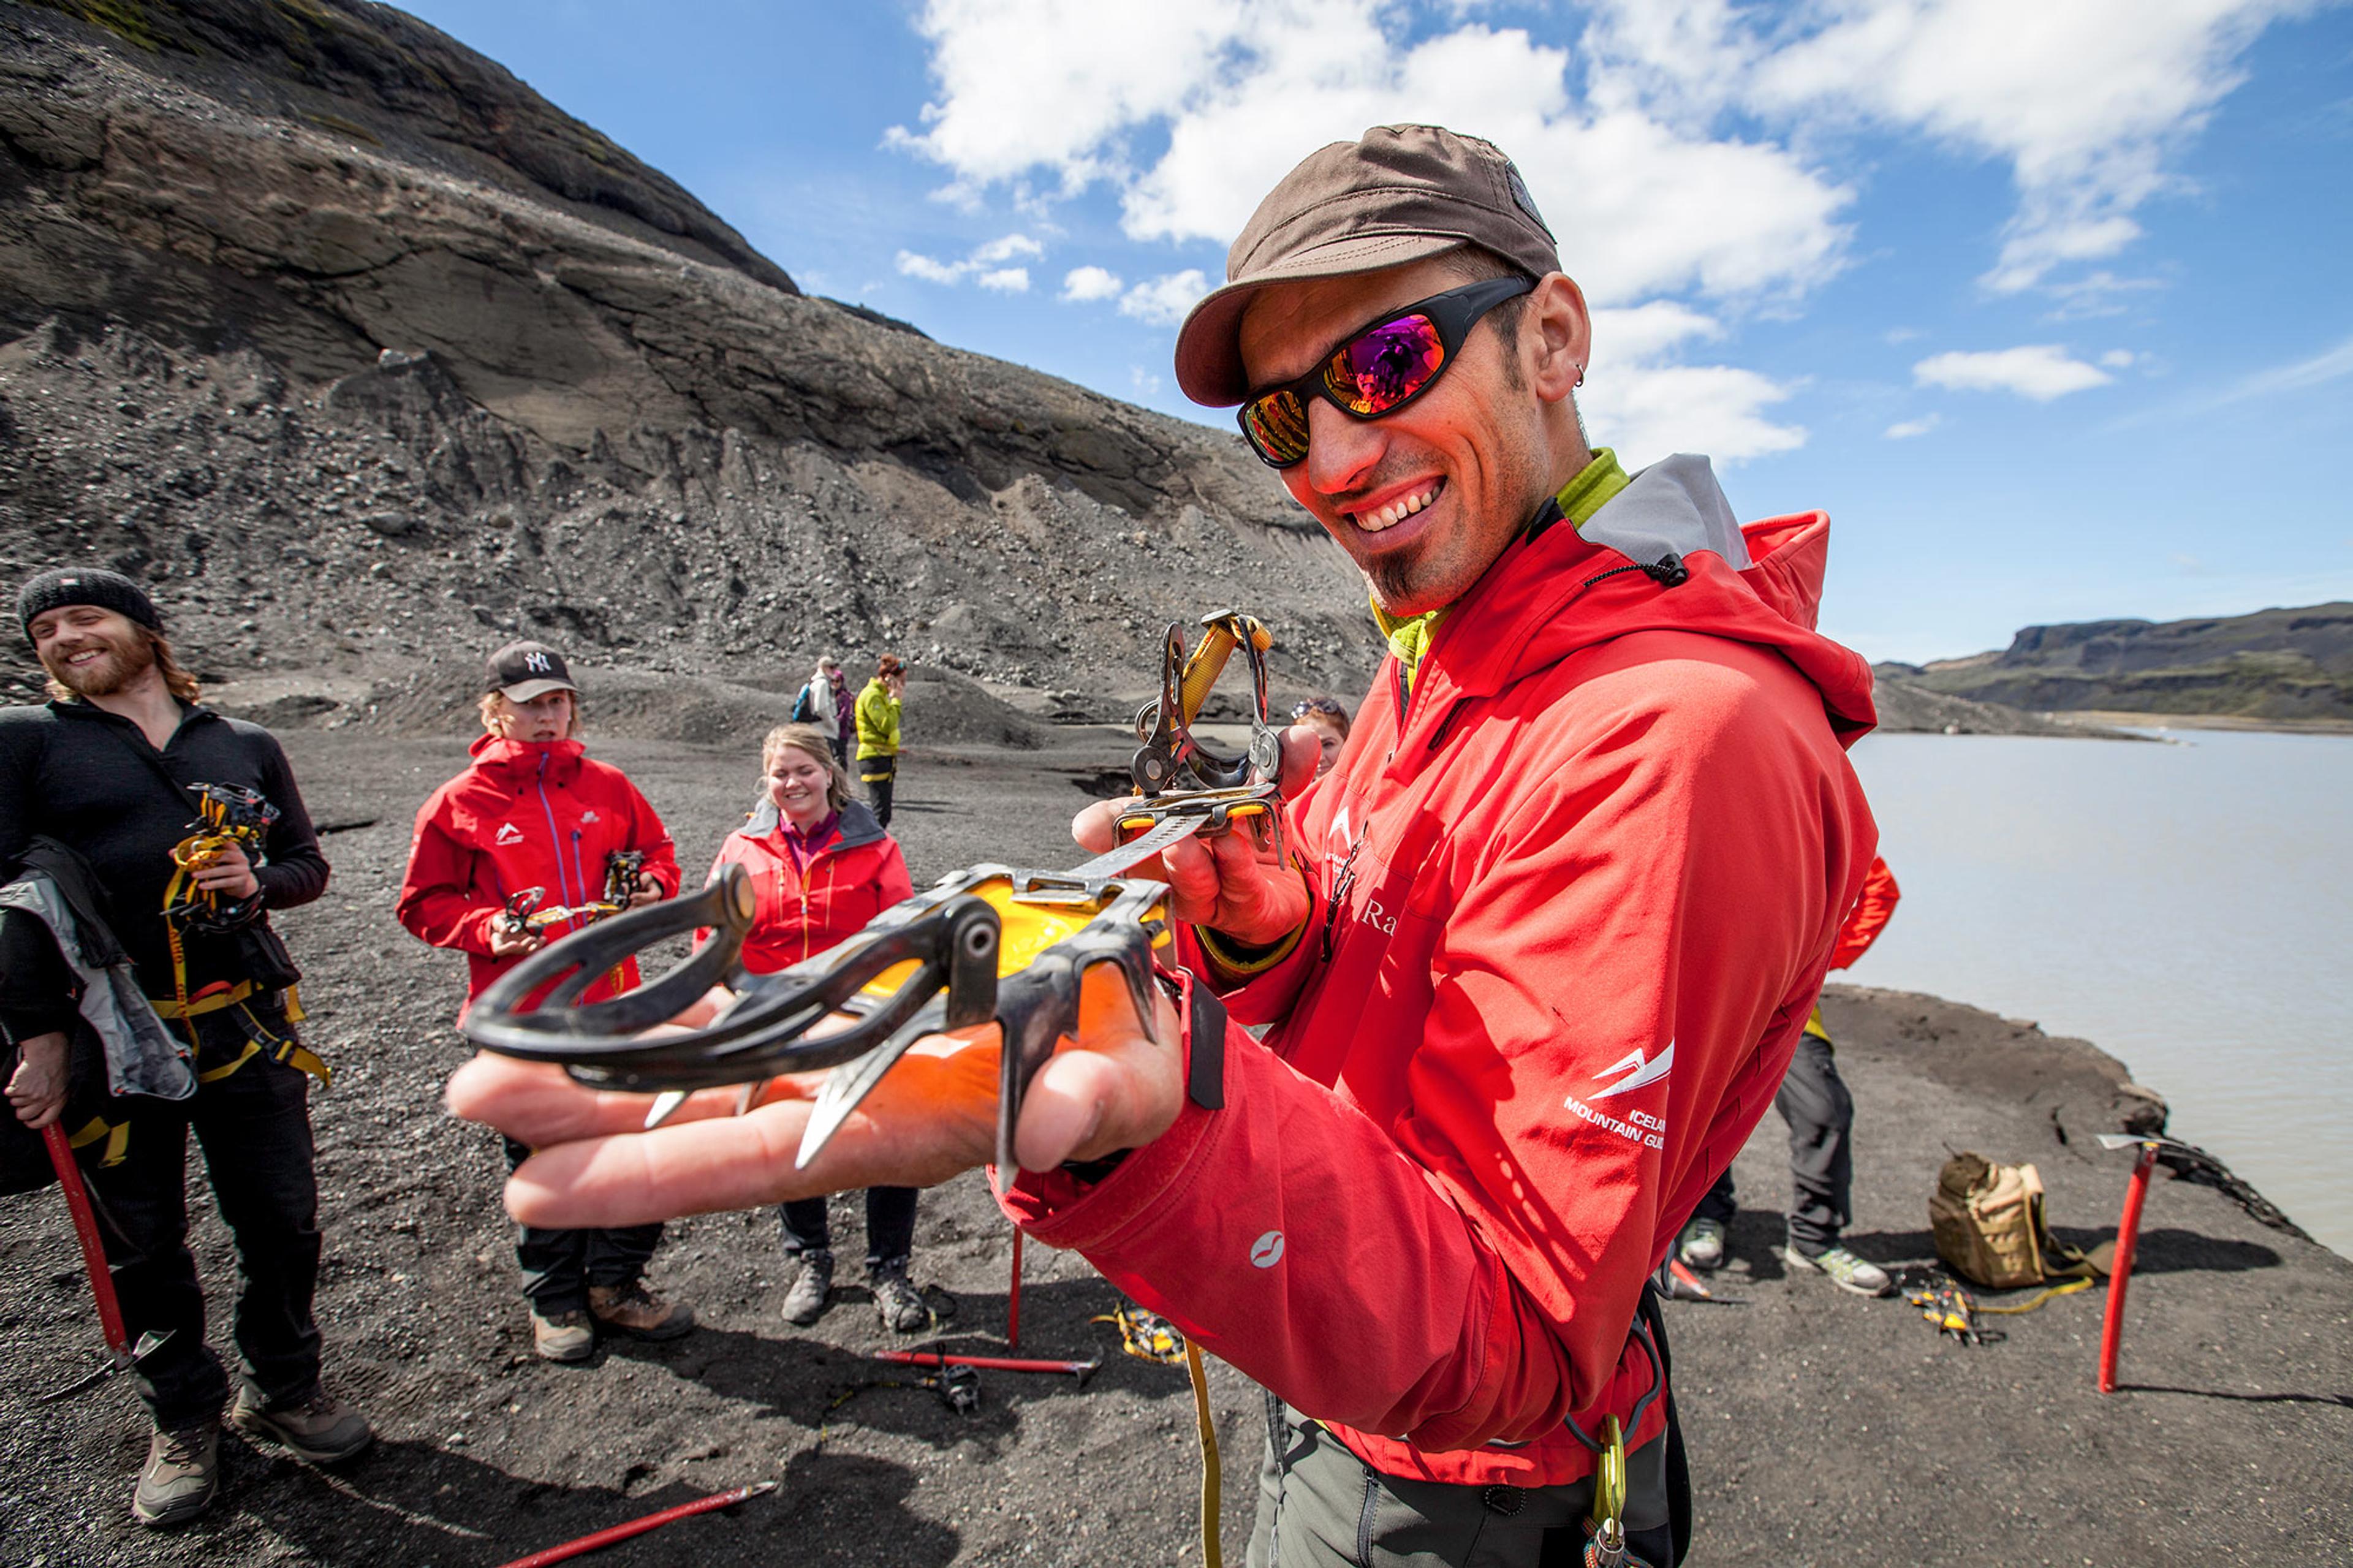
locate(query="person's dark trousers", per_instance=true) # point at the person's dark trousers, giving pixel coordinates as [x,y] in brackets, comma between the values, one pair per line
[1814,1100]
[254,1128]
[880,776]
[890,1225]
[559,1266]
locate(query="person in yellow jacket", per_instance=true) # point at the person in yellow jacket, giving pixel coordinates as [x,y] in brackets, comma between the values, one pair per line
[878,734]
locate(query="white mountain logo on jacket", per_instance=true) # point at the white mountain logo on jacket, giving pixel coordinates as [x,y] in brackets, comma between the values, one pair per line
[508,834]
[1638,1071]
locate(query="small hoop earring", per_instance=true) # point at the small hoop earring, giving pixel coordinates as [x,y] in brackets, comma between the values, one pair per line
[1580,377]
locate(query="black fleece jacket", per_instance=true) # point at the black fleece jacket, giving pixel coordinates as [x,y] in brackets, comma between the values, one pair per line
[90,779]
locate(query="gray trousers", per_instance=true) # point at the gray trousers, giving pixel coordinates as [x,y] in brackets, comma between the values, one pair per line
[1319,1506]
[1814,1102]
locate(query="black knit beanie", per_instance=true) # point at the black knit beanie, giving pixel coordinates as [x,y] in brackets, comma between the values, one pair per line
[84,585]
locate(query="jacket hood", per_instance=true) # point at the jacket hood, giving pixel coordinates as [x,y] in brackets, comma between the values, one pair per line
[857,824]
[1567,589]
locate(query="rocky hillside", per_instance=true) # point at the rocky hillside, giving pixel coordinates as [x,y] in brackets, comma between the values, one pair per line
[2274,664]
[364,356]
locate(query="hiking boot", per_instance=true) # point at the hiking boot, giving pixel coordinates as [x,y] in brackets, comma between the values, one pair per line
[563,1336]
[812,1292]
[182,1476]
[902,1308]
[1702,1244]
[1846,1271]
[320,1428]
[638,1312]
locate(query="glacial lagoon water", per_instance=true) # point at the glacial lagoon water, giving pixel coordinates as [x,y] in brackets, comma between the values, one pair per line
[2186,906]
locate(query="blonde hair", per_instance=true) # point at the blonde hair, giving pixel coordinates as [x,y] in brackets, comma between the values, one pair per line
[176,680]
[493,703]
[808,738]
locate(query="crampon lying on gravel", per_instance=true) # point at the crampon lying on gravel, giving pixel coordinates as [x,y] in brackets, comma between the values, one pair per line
[987,943]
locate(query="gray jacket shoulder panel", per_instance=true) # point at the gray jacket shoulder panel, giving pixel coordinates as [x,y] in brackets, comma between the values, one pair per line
[1674,506]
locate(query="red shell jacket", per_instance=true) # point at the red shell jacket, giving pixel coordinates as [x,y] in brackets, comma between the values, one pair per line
[1870,915]
[1572,905]
[803,910]
[525,815]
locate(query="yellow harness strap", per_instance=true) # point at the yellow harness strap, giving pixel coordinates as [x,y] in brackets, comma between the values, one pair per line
[116,1134]
[201,1005]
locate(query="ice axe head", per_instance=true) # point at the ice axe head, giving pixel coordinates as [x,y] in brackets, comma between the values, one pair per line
[108,1365]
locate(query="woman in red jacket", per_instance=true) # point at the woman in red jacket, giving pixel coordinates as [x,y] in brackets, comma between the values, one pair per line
[821,867]
[532,812]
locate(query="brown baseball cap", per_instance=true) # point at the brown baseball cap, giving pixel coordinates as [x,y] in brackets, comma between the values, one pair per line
[1399,194]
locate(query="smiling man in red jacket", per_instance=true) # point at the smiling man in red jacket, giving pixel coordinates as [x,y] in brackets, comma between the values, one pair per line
[1561,910]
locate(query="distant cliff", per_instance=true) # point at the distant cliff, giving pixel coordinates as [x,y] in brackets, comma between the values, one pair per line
[2273,664]
[365,356]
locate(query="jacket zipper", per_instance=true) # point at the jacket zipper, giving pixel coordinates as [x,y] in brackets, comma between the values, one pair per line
[554,835]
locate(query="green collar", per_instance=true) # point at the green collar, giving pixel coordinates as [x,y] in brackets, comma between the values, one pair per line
[1596,485]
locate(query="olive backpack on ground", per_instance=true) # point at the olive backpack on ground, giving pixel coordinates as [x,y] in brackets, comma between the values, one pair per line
[1989,1231]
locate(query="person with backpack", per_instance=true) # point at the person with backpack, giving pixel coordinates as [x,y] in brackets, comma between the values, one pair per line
[112,784]
[821,867]
[878,734]
[516,852]
[817,706]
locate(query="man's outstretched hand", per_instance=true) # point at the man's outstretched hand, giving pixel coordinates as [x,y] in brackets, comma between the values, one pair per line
[933,1116]
[1233,884]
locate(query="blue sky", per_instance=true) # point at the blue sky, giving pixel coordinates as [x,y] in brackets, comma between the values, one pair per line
[2046,304]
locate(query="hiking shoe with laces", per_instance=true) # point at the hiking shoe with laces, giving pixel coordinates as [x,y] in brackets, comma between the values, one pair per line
[1702,1244]
[563,1336]
[636,1312]
[320,1428]
[812,1292]
[182,1476]
[902,1306]
[1845,1270]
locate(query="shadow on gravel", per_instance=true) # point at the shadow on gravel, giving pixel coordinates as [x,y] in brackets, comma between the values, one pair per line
[2343,1400]
[410,1502]
[2163,1251]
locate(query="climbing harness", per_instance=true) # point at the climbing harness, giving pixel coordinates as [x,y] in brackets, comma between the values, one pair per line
[987,943]
[1605,1543]
[228,815]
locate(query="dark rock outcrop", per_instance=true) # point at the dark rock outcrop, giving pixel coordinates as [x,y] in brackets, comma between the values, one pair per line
[361,352]
[2273,664]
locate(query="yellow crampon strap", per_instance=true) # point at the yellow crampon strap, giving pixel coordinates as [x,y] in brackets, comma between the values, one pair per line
[2037,1300]
[116,1134]
[183,1009]
[1212,1550]
[1143,1335]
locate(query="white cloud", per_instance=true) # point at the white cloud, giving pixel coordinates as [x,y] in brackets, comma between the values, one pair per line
[2327,366]
[2086,100]
[1645,331]
[1086,283]
[983,266]
[1163,300]
[1243,89]
[2037,370]
[919,266]
[2117,359]
[1146,383]
[1908,428]
[1649,410]
[1007,248]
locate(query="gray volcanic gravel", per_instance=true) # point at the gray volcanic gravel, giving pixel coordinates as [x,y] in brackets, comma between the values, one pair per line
[1823,1428]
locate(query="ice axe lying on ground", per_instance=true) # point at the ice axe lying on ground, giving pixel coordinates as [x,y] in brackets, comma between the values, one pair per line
[120,1354]
[986,943]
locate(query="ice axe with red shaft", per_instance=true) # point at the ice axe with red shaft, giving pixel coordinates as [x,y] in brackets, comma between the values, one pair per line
[120,1353]
[2112,1328]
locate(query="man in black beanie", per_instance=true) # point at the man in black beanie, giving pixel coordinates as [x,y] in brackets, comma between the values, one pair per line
[115,769]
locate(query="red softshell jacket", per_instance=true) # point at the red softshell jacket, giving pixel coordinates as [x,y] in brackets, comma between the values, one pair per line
[1573,904]
[1870,915]
[803,910]
[525,815]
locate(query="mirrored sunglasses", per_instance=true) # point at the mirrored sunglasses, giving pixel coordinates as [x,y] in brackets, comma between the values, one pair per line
[1377,371]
